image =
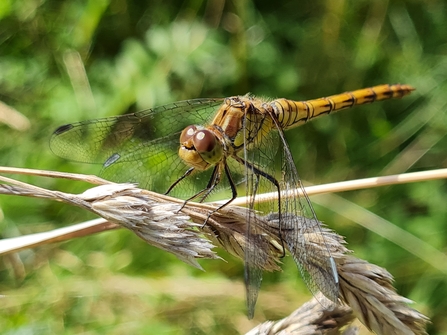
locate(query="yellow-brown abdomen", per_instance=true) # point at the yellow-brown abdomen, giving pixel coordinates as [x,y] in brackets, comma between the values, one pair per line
[294,113]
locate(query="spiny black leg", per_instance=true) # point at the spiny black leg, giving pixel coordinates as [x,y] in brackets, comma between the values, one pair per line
[258,172]
[233,193]
[211,184]
[186,174]
[214,180]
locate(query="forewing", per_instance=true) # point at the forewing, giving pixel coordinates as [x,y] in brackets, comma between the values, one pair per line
[140,147]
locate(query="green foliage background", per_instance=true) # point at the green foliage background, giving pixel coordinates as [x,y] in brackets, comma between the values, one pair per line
[139,54]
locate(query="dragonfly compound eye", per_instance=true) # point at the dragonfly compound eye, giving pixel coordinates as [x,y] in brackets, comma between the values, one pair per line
[208,146]
[204,141]
[187,133]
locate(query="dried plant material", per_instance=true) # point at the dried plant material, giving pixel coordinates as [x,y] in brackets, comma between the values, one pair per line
[148,214]
[317,242]
[15,244]
[368,290]
[357,184]
[92,179]
[168,223]
[228,228]
[310,319]
[161,224]
[171,225]
[365,287]
[179,228]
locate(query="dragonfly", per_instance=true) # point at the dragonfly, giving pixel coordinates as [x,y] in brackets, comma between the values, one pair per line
[195,148]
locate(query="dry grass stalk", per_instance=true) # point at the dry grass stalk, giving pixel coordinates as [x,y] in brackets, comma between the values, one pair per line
[163,222]
[14,244]
[358,184]
[311,319]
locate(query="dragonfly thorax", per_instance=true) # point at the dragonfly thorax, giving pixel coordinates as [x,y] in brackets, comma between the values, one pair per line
[200,147]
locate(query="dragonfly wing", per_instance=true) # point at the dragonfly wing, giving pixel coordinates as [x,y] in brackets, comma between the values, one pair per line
[260,163]
[147,164]
[300,230]
[138,147]
[303,234]
[252,275]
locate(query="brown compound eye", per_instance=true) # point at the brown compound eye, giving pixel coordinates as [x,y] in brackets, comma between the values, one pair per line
[204,141]
[187,133]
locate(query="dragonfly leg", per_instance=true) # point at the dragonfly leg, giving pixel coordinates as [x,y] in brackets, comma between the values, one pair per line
[208,189]
[214,180]
[233,192]
[186,174]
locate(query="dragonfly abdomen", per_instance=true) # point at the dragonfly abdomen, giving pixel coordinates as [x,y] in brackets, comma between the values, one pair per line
[294,113]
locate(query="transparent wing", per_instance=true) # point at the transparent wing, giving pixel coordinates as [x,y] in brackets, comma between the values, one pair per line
[301,229]
[269,166]
[260,169]
[140,147]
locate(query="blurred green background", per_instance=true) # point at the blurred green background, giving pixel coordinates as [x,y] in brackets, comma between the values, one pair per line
[64,61]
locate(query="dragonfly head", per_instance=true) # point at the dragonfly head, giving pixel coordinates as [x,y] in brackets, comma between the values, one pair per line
[200,147]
